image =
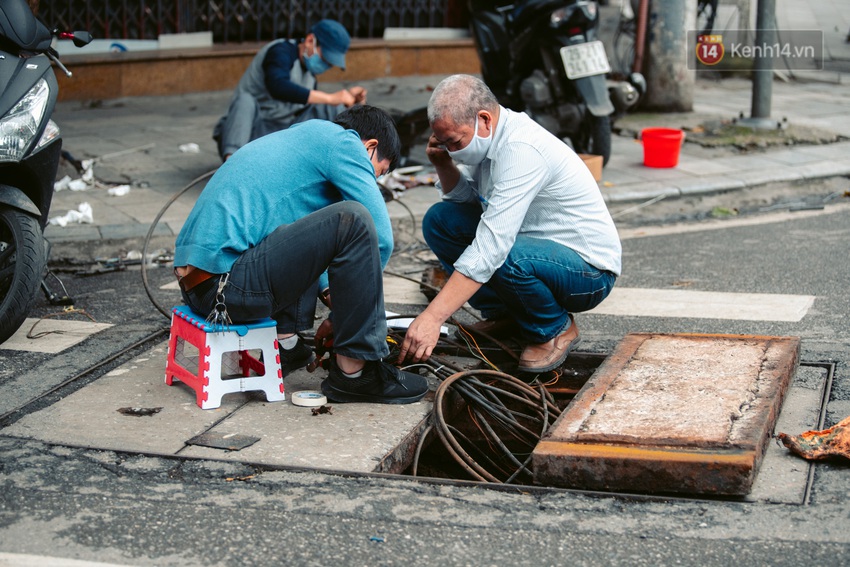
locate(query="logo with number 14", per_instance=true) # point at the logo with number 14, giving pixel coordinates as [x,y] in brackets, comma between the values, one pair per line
[710,49]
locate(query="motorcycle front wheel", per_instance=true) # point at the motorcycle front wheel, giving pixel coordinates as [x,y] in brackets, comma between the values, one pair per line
[22,262]
[595,137]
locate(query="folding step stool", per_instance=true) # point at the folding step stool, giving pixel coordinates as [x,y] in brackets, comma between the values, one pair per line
[223,363]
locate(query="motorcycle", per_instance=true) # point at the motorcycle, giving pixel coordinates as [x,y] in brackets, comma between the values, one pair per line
[543,57]
[30,151]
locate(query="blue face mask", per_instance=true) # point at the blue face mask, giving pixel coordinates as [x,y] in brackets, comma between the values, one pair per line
[315,64]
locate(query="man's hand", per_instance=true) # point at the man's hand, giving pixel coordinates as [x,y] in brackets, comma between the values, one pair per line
[420,339]
[325,298]
[424,331]
[445,166]
[343,97]
[323,342]
[359,94]
[437,153]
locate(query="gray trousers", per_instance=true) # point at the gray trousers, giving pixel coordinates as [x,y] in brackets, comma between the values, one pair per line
[278,279]
[244,122]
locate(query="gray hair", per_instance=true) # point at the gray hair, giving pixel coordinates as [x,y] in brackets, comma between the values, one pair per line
[460,98]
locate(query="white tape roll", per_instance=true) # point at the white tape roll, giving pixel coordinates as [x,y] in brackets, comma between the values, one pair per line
[308,399]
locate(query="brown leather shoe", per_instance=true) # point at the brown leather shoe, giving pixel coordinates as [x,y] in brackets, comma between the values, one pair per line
[494,328]
[550,355]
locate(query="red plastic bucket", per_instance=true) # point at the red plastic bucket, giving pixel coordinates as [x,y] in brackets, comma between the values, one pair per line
[661,146]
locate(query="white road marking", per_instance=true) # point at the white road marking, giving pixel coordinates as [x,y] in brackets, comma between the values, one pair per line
[639,302]
[27,560]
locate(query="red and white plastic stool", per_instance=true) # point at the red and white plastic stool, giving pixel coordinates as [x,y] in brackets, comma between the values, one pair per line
[221,360]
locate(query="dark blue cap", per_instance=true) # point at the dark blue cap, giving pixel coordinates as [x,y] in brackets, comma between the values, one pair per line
[333,40]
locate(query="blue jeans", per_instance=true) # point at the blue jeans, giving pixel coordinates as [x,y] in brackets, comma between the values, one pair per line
[278,278]
[540,283]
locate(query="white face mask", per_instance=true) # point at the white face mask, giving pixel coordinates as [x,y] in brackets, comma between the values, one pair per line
[474,152]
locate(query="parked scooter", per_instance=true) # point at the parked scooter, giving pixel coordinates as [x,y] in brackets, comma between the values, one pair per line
[543,57]
[30,147]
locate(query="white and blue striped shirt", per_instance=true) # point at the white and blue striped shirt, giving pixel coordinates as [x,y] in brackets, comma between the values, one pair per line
[532,183]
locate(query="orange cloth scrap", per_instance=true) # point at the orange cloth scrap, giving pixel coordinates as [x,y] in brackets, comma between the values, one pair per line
[817,445]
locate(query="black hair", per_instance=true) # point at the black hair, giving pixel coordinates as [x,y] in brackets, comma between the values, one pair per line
[372,122]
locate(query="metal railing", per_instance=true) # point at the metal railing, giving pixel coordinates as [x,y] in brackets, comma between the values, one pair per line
[238,20]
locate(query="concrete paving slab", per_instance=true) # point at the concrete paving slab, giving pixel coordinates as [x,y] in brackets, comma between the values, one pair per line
[701,166]
[90,417]
[71,233]
[354,437]
[53,335]
[712,184]
[638,192]
[796,156]
[131,230]
[768,175]
[672,413]
[822,169]
[406,292]
[746,162]
[837,151]
[642,302]
[617,177]
[656,174]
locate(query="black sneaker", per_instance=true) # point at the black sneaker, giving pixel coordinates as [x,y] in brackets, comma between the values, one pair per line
[380,383]
[297,357]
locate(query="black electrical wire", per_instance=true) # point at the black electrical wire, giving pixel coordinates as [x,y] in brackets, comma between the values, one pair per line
[174,197]
[465,384]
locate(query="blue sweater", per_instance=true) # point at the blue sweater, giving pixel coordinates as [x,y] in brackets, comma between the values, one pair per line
[276,180]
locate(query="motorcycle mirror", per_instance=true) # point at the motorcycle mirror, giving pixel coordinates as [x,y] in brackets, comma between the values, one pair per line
[81,38]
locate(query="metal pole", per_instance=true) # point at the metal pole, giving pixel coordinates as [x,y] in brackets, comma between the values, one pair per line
[763,66]
[640,35]
[670,84]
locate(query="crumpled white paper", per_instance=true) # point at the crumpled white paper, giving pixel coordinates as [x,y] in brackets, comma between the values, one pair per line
[62,184]
[83,215]
[72,184]
[119,190]
[190,148]
[81,184]
[88,171]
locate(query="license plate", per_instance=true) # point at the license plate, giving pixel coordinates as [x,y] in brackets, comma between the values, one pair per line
[585,59]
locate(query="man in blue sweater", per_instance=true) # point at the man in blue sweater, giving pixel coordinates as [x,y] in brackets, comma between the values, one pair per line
[279,87]
[294,215]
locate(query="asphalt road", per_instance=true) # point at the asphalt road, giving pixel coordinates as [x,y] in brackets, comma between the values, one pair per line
[131,509]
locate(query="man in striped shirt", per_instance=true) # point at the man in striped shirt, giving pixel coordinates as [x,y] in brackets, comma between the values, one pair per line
[522,226]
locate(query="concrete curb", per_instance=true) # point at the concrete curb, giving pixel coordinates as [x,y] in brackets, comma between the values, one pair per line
[722,183]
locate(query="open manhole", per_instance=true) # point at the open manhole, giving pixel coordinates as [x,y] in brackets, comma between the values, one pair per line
[470,446]
[486,427]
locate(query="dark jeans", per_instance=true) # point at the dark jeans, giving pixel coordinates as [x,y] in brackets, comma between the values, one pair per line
[540,283]
[278,279]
